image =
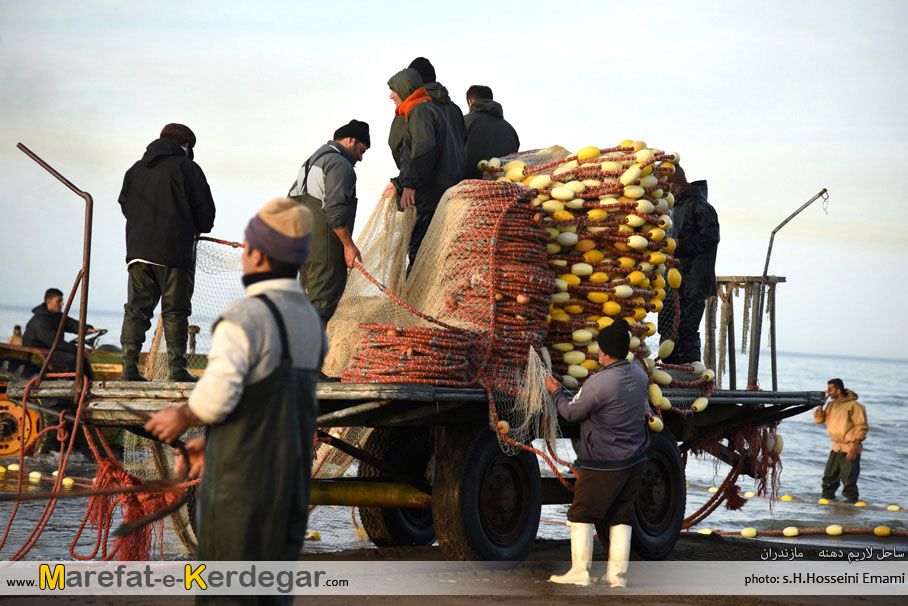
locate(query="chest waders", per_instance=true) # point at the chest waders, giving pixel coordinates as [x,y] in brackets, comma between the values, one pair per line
[324,276]
[254,496]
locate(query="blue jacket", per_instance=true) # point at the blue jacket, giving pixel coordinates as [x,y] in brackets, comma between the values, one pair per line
[610,408]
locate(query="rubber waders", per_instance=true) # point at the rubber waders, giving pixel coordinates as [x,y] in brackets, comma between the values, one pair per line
[581,556]
[619,550]
[130,370]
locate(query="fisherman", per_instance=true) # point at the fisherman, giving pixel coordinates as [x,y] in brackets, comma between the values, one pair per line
[846,421]
[696,230]
[439,96]
[257,398]
[326,185]
[431,158]
[610,408]
[167,203]
[41,330]
[489,135]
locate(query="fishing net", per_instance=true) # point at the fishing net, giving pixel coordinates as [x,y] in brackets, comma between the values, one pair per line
[218,281]
[472,310]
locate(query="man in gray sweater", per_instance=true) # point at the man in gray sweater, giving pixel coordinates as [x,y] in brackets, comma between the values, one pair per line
[326,185]
[610,408]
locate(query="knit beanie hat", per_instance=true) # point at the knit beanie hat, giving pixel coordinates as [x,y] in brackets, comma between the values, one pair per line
[425,69]
[282,230]
[356,129]
[615,339]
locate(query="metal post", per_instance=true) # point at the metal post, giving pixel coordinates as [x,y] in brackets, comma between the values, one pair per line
[86,263]
[732,365]
[755,343]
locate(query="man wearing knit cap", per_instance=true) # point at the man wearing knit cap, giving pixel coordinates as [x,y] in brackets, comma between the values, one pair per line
[610,408]
[326,185]
[167,203]
[431,157]
[257,398]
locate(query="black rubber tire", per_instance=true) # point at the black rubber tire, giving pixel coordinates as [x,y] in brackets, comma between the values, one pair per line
[486,504]
[659,511]
[410,450]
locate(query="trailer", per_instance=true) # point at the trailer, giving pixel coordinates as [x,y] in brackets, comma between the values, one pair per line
[432,467]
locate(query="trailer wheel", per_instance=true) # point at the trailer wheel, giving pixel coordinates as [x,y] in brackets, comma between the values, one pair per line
[659,511]
[409,449]
[486,504]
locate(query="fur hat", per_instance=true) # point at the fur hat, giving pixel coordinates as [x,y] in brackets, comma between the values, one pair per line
[179,133]
[356,129]
[615,339]
[282,230]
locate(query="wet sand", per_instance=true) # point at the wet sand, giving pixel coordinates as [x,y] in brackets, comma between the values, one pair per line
[546,558]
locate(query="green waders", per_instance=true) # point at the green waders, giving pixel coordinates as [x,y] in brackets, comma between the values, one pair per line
[254,496]
[147,285]
[324,276]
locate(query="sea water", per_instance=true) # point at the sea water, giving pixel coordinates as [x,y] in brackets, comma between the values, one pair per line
[884,465]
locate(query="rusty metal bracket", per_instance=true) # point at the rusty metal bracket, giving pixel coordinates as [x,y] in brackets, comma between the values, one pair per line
[86,264]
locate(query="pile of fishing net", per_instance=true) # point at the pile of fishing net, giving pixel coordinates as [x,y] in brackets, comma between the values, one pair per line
[471,312]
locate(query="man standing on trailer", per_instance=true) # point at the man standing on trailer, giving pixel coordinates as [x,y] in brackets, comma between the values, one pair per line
[846,421]
[257,398]
[167,203]
[610,408]
[696,229]
[326,185]
[489,135]
[431,158]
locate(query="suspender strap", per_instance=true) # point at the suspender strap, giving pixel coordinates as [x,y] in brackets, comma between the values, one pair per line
[285,343]
[308,168]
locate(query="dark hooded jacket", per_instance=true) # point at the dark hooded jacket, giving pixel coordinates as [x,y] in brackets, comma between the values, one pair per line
[440,97]
[431,160]
[695,226]
[166,201]
[489,135]
[41,330]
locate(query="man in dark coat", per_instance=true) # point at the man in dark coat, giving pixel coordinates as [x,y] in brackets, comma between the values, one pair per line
[257,398]
[41,330]
[695,227]
[439,96]
[167,202]
[489,135]
[430,158]
[326,185]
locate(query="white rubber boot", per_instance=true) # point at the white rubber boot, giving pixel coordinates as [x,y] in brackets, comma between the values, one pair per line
[619,550]
[581,556]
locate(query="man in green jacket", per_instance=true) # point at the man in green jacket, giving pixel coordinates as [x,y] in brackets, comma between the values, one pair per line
[326,185]
[431,159]
[439,96]
[489,135]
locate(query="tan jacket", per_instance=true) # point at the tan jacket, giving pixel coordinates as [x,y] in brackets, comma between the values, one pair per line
[846,421]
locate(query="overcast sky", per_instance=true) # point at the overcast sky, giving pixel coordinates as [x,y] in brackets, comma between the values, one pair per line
[770,102]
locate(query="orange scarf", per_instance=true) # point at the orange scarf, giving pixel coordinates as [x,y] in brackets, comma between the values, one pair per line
[419,96]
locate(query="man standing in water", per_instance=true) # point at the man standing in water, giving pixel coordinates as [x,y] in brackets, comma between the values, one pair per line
[846,422]
[257,398]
